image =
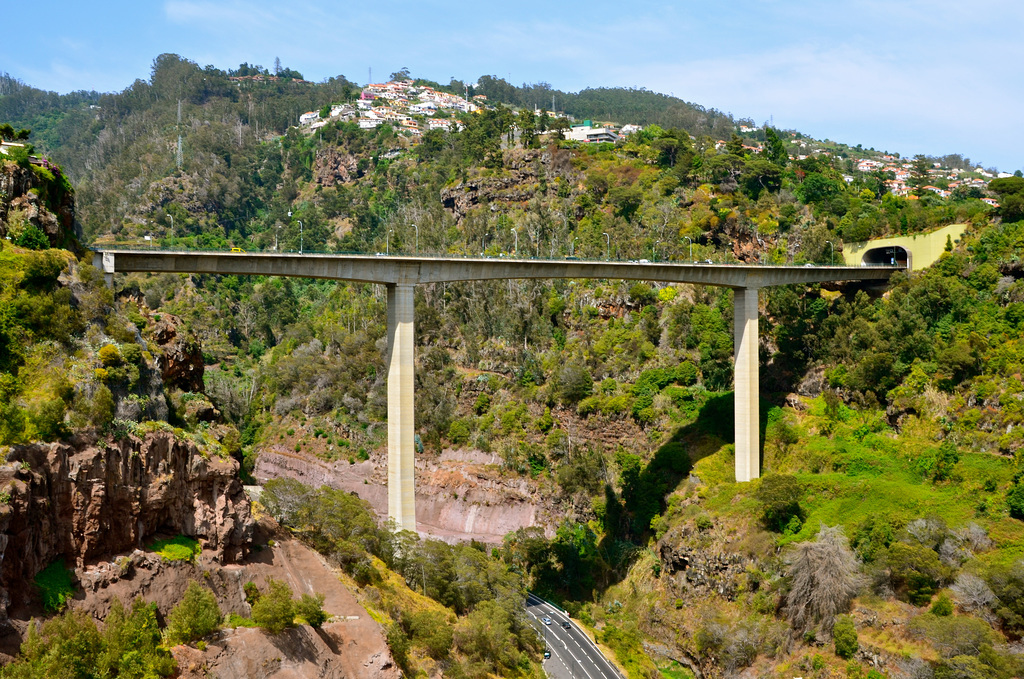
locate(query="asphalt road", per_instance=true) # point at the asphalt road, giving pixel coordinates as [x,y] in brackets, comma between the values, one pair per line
[573,654]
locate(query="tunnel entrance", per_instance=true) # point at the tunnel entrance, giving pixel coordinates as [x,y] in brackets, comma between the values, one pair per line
[888,255]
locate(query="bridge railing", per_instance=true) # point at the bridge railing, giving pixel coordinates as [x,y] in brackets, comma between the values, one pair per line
[134,247]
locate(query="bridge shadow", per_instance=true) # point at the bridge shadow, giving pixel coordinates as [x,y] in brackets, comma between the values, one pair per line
[629,515]
[714,425]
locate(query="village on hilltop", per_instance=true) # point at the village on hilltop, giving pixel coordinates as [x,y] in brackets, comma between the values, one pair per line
[414,109]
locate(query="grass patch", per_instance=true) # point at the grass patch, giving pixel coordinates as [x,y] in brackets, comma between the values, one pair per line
[235,620]
[674,670]
[178,548]
[56,586]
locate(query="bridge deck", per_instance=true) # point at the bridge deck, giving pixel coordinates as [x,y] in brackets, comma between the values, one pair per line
[409,269]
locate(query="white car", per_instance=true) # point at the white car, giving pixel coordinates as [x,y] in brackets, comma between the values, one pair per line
[546,620]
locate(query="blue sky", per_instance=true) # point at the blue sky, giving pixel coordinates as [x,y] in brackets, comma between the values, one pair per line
[909,76]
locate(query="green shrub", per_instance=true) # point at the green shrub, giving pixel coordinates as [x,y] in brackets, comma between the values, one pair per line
[459,432]
[110,356]
[943,606]
[1015,500]
[311,609]
[32,238]
[844,632]
[590,405]
[56,586]
[252,592]
[483,404]
[275,609]
[194,617]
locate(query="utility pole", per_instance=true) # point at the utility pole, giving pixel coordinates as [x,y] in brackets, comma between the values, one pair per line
[177,155]
[607,245]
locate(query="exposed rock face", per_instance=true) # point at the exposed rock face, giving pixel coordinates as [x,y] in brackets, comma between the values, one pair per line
[333,166]
[81,500]
[460,495]
[518,184]
[57,221]
[693,567]
[181,357]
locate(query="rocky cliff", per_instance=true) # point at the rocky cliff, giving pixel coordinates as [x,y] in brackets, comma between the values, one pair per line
[86,498]
[460,495]
[37,194]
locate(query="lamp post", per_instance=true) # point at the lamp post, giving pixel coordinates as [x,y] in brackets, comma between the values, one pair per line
[654,251]
[691,246]
[832,253]
[607,245]
[387,241]
[417,238]
[172,225]
[516,234]
[300,231]
[572,247]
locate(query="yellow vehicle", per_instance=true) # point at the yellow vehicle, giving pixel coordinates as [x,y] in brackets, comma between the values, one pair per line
[237,250]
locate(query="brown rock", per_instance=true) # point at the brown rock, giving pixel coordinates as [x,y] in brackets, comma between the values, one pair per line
[333,166]
[82,499]
[180,358]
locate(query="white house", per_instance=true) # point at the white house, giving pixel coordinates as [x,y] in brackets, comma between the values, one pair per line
[590,134]
[308,117]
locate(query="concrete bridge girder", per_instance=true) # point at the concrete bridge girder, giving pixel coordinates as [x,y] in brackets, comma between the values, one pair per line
[402,274]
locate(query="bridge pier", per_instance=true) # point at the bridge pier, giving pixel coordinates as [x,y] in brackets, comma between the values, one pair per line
[401,413]
[746,380]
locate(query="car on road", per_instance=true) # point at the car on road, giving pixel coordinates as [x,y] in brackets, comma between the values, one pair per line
[546,620]
[547,654]
[566,625]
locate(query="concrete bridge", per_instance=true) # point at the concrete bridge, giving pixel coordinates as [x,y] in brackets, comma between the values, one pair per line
[401,274]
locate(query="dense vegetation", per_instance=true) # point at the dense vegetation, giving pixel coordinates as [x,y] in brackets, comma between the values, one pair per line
[896,465]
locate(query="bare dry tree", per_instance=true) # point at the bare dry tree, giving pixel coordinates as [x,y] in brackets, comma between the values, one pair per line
[824,577]
[974,595]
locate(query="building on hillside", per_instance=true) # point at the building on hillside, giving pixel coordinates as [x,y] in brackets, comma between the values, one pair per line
[308,117]
[5,146]
[591,135]
[628,129]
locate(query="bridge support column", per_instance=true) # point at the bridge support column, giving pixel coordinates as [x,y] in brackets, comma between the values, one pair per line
[401,414]
[746,380]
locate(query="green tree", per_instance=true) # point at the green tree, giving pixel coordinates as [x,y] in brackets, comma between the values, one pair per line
[844,633]
[194,617]
[779,495]
[275,610]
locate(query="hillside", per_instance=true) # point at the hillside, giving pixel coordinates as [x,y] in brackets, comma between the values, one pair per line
[601,408]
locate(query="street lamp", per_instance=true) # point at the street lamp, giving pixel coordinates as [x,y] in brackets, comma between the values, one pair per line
[572,247]
[300,231]
[607,245]
[387,241]
[654,251]
[417,238]
[172,226]
[691,246]
[516,234]
[832,253]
